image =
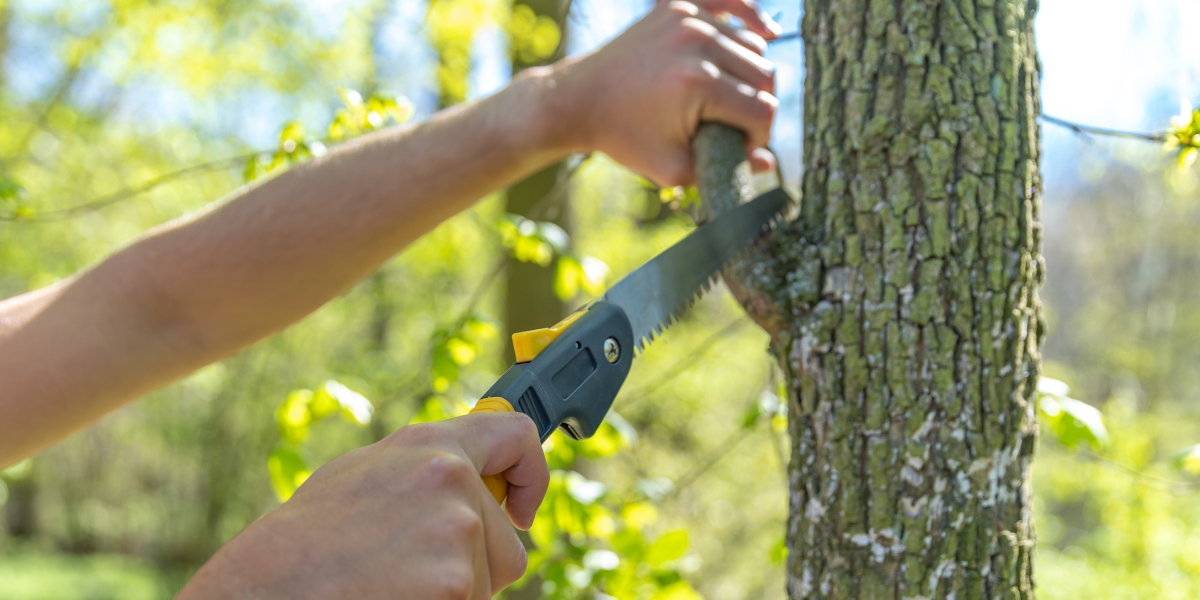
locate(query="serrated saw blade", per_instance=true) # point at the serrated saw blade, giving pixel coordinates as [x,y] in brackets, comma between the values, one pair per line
[658,292]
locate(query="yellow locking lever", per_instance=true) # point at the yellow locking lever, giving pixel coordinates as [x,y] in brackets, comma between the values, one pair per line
[528,344]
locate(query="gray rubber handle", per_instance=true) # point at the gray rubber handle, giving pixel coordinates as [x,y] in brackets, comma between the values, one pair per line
[718,150]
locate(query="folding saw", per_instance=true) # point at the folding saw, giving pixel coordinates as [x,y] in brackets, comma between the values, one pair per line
[568,375]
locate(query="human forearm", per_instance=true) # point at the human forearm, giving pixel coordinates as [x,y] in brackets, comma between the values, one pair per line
[282,249]
[200,288]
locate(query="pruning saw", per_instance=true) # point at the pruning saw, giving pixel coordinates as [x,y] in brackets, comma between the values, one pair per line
[567,376]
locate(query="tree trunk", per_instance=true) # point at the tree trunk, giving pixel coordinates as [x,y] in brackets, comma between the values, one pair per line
[902,301]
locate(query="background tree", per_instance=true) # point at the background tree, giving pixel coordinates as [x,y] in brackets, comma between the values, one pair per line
[529,298]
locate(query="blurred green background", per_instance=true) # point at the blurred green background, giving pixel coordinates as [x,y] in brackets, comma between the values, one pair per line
[118,116]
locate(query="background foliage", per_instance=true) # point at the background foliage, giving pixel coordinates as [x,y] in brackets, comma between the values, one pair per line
[118,116]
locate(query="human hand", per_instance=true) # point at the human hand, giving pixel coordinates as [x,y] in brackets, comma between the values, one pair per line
[408,517]
[640,98]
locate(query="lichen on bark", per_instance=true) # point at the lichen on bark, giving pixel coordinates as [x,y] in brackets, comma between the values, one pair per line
[902,301]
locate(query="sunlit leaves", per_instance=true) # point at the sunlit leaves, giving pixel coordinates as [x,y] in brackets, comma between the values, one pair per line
[580,274]
[457,346]
[532,241]
[771,407]
[451,26]
[353,406]
[668,547]
[295,416]
[541,242]
[438,408]
[12,196]
[1072,422]
[533,38]
[1185,133]
[1188,461]
[613,435]
[359,116]
[288,471]
[585,543]
[682,197]
[292,149]
[356,117]
[779,551]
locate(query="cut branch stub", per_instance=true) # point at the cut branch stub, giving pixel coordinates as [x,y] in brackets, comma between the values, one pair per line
[724,181]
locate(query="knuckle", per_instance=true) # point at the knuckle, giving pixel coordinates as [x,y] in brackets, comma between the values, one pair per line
[693,32]
[444,470]
[420,434]
[698,76]
[525,424]
[462,525]
[454,583]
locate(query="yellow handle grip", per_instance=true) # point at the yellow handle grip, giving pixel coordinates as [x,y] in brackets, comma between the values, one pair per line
[496,483]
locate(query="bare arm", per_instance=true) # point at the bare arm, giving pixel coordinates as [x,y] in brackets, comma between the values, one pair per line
[201,288]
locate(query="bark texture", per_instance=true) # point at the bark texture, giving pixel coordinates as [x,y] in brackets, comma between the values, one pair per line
[902,301]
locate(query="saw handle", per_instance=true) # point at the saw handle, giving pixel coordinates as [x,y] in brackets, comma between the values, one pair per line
[571,381]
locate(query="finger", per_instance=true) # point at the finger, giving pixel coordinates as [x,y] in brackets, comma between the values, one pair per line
[748,11]
[735,103]
[507,443]
[752,41]
[506,557]
[734,57]
[761,160]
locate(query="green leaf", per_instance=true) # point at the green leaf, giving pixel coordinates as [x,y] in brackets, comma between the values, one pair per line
[322,404]
[1073,422]
[613,435]
[354,406]
[288,471]
[668,547]
[750,416]
[568,277]
[584,490]
[293,416]
[779,551]
[433,410]
[595,275]
[10,190]
[1188,461]
[679,590]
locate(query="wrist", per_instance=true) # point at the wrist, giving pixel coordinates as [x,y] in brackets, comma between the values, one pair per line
[555,116]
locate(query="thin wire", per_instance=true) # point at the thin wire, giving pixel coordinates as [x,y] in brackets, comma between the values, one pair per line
[1162,483]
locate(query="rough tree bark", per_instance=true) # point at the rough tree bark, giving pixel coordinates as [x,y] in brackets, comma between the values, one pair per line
[902,300]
